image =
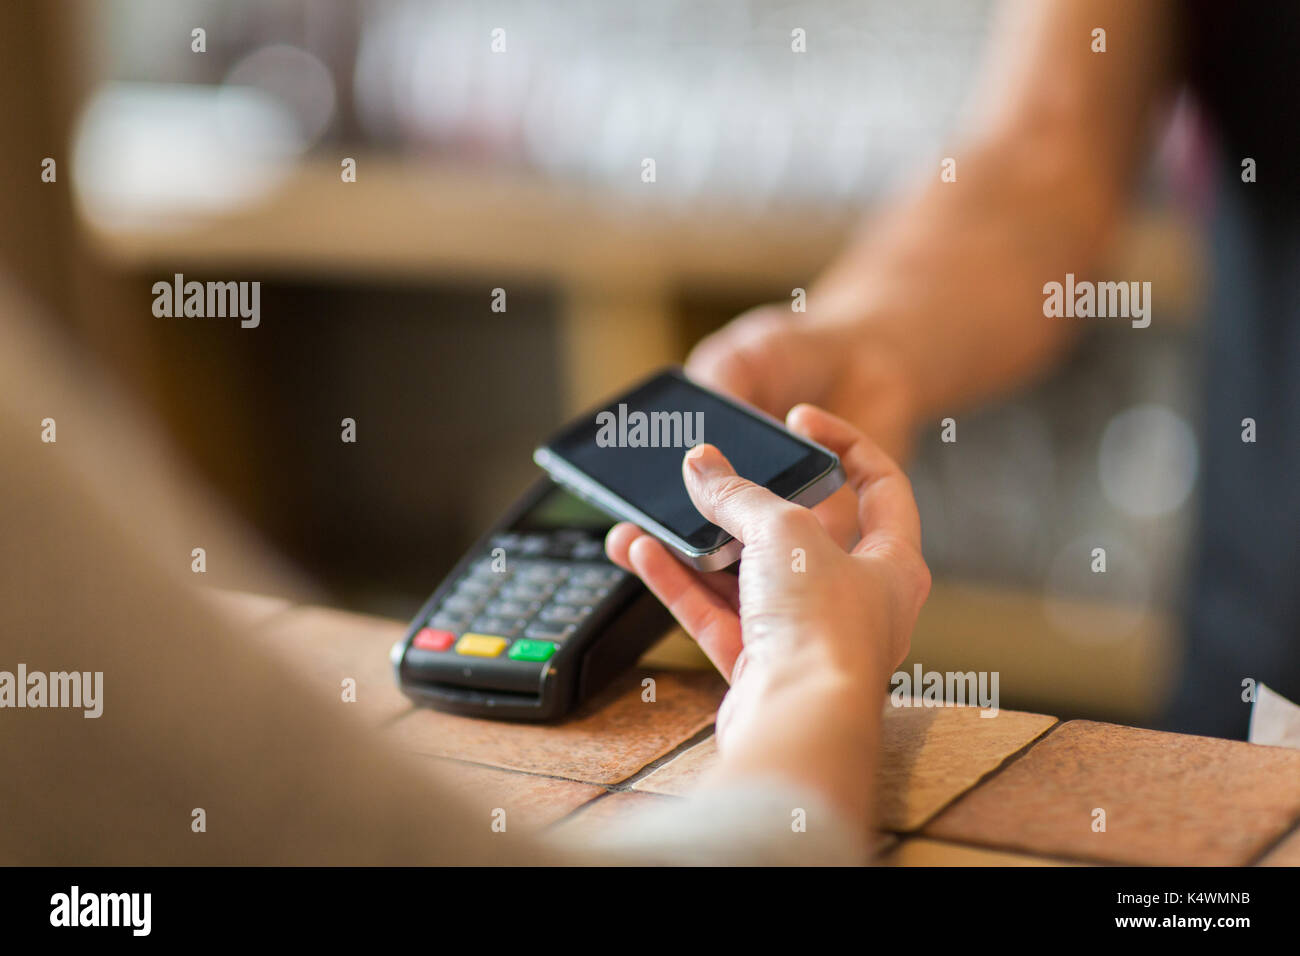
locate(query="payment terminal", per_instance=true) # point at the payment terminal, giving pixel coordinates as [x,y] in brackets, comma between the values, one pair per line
[532,620]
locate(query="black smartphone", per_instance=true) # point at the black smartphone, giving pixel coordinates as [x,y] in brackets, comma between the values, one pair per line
[625,457]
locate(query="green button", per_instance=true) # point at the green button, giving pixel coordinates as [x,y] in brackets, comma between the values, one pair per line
[526,650]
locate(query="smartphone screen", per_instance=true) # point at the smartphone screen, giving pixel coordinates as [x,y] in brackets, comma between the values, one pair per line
[633,447]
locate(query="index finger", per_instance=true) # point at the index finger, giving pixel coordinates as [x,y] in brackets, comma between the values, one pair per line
[886,506]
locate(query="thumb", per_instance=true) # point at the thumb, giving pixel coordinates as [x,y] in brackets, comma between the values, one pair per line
[735,504]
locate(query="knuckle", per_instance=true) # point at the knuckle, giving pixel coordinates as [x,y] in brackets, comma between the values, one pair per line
[794,522]
[917,574]
[760,322]
[728,491]
[911,572]
[903,650]
[902,476]
[712,354]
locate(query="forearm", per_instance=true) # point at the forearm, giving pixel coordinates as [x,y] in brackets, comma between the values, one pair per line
[950,284]
[950,280]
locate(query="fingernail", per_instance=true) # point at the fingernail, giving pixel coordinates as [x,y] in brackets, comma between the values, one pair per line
[705,461]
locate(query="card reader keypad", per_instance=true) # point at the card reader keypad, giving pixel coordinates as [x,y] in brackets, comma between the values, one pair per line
[525,606]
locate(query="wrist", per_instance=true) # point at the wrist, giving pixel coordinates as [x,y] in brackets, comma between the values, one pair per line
[840,684]
[885,359]
[877,376]
[819,731]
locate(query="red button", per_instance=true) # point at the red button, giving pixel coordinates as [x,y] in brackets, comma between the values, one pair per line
[430,640]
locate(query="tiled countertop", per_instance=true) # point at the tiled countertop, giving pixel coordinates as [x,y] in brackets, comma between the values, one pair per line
[955,788]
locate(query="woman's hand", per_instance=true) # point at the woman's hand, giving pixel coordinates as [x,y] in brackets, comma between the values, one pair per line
[808,632]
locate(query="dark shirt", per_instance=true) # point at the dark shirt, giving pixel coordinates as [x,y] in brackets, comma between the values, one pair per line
[1243,609]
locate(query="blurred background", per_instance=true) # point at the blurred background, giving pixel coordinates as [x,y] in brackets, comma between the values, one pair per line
[522,170]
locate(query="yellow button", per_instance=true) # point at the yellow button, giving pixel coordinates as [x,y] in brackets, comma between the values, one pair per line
[481,645]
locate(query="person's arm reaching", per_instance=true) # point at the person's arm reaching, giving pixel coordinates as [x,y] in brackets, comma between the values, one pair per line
[939,303]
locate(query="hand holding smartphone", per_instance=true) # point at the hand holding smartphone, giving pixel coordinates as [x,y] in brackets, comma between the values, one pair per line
[625,457]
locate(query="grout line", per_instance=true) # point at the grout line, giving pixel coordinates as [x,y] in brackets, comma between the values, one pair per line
[514,770]
[619,787]
[1001,848]
[625,786]
[580,808]
[984,778]
[388,722]
[697,738]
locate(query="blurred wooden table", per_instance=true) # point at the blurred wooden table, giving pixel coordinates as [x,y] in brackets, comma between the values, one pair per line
[956,789]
